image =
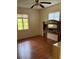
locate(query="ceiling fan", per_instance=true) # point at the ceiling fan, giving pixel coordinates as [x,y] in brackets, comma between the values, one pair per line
[40,3]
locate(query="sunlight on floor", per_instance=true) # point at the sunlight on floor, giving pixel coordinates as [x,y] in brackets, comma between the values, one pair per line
[25,50]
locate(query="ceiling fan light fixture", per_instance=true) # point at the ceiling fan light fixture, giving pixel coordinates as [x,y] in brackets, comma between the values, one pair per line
[40,3]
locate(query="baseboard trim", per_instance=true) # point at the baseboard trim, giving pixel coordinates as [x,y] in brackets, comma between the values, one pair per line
[29,37]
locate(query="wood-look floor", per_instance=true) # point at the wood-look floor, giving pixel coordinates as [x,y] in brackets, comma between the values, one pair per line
[34,48]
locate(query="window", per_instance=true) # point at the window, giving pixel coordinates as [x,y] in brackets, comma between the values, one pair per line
[54,16]
[22,22]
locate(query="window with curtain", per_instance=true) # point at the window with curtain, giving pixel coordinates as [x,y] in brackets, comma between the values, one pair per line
[22,22]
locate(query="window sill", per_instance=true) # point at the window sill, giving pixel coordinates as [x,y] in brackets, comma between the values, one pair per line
[23,30]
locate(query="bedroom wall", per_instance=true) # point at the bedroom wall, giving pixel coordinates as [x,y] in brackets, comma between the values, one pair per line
[44,13]
[34,23]
[36,17]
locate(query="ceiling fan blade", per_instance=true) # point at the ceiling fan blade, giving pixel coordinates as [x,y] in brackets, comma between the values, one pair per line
[33,5]
[41,5]
[36,1]
[45,2]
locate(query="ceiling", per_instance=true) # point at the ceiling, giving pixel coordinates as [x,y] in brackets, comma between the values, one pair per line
[29,3]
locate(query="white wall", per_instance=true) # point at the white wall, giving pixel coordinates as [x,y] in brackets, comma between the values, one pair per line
[44,13]
[36,17]
[34,23]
